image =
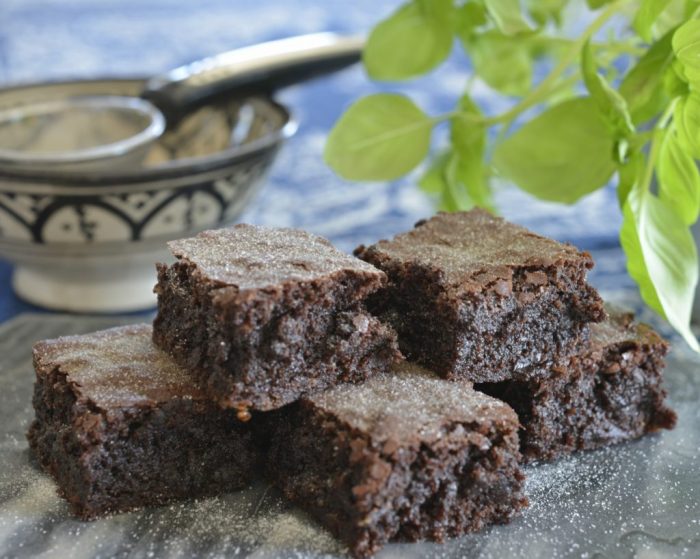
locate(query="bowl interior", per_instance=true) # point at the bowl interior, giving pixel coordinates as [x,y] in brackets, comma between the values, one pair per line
[208,136]
[49,129]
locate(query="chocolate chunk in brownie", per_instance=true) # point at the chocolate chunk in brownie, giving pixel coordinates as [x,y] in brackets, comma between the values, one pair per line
[406,456]
[264,315]
[610,392]
[477,298]
[119,425]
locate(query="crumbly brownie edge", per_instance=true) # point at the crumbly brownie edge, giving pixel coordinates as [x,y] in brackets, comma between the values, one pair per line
[269,348]
[369,495]
[441,243]
[119,460]
[509,329]
[600,399]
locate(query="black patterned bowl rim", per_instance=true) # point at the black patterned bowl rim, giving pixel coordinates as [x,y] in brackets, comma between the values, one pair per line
[179,168]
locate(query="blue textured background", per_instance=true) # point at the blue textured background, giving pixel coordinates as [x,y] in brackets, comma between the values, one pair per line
[43,40]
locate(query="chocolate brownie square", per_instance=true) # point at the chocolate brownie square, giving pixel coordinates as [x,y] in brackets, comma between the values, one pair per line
[406,456]
[477,298]
[266,315]
[119,425]
[608,393]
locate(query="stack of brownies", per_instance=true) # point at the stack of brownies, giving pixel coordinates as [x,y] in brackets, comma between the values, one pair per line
[390,395]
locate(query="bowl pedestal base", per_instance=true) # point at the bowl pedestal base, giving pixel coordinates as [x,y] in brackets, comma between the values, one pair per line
[118,289]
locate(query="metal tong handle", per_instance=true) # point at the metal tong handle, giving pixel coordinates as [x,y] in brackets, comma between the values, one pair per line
[259,68]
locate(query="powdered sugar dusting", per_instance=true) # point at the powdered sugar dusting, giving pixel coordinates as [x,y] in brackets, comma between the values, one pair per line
[119,366]
[469,244]
[250,256]
[411,401]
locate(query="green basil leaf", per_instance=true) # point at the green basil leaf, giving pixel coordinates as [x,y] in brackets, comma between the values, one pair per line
[661,258]
[674,14]
[502,61]
[690,7]
[465,135]
[675,81]
[467,170]
[466,173]
[561,155]
[629,175]
[448,202]
[646,17]
[440,10]
[686,120]
[442,180]
[471,174]
[595,4]
[543,11]
[457,198]
[552,47]
[433,180]
[679,179]
[688,74]
[611,104]
[692,75]
[636,265]
[468,18]
[686,44]
[411,42]
[380,137]
[459,175]
[508,16]
[643,86]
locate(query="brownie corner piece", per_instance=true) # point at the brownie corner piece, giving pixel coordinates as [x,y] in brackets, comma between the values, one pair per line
[120,426]
[473,296]
[611,391]
[266,315]
[631,358]
[406,456]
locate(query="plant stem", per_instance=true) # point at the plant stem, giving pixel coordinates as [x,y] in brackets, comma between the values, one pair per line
[551,83]
[569,81]
[631,47]
[542,89]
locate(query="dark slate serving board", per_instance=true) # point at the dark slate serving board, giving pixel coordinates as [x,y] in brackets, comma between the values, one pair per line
[637,499]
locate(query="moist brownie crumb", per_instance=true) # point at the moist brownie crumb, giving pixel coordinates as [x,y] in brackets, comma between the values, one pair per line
[120,426]
[477,298]
[406,456]
[264,316]
[610,392]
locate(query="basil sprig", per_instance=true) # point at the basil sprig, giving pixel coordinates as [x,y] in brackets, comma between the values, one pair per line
[640,126]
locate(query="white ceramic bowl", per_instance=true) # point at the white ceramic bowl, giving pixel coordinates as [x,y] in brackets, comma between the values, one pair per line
[88,242]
